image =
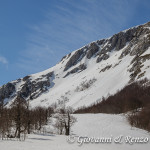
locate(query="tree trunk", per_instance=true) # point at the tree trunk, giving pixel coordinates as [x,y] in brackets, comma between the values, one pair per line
[67,126]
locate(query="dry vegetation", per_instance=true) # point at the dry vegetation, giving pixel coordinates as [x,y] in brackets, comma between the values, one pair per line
[20,120]
[85,85]
[130,98]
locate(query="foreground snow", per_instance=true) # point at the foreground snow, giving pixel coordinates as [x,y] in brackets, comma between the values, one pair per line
[88,125]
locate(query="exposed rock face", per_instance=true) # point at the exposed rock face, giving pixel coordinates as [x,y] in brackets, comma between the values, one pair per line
[136,40]
[102,47]
[79,68]
[48,75]
[7,90]
[35,88]
[102,57]
[100,42]
[29,88]
[138,45]
[26,78]
[63,58]
[136,66]
[75,58]
[93,48]
[118,41]
[67,56]
[106,68]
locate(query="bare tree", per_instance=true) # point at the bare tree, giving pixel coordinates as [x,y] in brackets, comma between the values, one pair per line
[64,119]
[28,110]
[19,107]
[2,126]
[69,120]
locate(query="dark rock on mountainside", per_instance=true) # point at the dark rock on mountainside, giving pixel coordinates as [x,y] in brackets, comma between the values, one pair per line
[116,42]
[78,55]
[92,49]
[48,75]
[140,44]
[89,51]
[26,78]
[106,68]
[137,46]
[37,87]
[100,42]
[7,90]
[102,47]
[64,57]
[79,68]
[29,88]
[102,57]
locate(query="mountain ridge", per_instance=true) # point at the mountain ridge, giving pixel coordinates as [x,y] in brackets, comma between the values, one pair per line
[86,74]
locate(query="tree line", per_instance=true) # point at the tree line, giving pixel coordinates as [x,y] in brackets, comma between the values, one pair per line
[134,98]
[19,119]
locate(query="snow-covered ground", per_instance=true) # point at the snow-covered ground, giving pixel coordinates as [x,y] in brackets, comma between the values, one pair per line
[88,125]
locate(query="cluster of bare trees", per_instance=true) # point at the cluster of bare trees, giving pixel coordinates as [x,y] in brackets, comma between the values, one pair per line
[141,118]
[63,116]
[131,97]
[64,120]
[20,120]
[85,85]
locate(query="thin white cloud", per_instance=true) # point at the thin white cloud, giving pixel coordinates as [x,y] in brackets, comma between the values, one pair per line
[70,25]
[3,60]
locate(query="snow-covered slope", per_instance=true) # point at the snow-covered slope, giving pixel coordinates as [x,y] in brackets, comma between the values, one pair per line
[89,73]
[90,126]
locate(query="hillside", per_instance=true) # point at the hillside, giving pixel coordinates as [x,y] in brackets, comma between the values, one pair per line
[89,73]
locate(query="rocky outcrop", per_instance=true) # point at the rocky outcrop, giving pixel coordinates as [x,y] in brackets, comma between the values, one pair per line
[102,57]
[63,58]
[78,55]
[100,42]
[136,47]
[118,41]
[92,49]
[28,88]
[7,90]
[48,75]
[139,44]
[79,68]
[35,88]
[106,68]
[67,56]
[26,78]
[136,67]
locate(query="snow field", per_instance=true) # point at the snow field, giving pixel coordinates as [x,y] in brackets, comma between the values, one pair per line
[88,125]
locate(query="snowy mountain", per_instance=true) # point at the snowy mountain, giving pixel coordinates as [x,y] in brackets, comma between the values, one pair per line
[89,73]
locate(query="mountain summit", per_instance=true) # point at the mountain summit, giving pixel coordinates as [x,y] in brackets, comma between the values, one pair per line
[89,73]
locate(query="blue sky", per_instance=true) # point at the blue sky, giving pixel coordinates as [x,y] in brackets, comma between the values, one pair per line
[35,34]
